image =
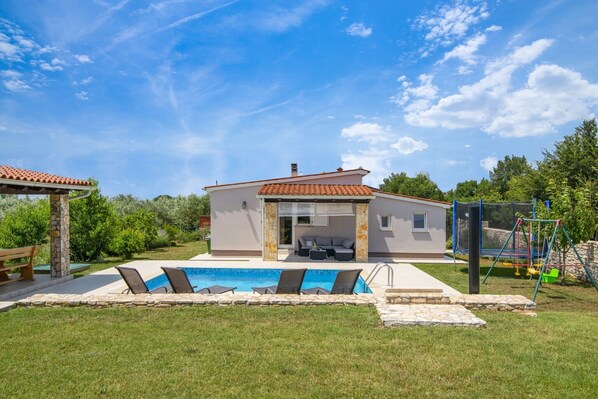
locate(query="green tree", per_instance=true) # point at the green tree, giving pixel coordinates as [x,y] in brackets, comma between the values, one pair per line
[573,207]
[126,204]
[145,223]
[127,242]
[574,158]
[93,225]
[419,186]
[189,209]
[27,224]
[506,169]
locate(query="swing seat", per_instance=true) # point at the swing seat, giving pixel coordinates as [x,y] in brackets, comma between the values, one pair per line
[532,271]
[550,277]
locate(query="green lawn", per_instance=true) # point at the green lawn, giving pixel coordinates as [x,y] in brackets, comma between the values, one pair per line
[180,252]
[303,351]
[503,281]
[299,351]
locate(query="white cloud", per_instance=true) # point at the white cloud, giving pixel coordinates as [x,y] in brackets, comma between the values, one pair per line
[82,95]
[407,145]
[330,117]
[369,132]
[466,52]
[449,23]
[83,58]
[276,19]
[47,67]
[467,146]
[13,81]
[493,28]
[552,96]
[358,29]
[16,85]
[489,163]
[86,81]
[418,98]
[8,51]
[375,160]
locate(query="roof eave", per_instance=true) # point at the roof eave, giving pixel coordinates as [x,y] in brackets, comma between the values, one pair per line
[414,200]
[36,184]
[318,197]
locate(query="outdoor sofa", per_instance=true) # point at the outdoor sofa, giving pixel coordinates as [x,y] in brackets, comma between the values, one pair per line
[341,248]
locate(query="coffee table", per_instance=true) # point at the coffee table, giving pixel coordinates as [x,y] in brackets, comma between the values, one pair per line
[317,254]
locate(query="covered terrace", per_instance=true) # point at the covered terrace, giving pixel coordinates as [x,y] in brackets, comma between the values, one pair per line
[288,207]
[26,182]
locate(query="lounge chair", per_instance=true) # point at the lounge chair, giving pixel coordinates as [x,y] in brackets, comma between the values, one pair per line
[135,282]
[344,283]
[289,283]
[181,285]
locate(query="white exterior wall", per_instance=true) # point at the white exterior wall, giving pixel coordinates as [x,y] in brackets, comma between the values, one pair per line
[401,238]
[237,229]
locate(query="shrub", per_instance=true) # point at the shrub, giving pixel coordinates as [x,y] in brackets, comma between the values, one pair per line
[172,232]
[449,243]
[128,242]
[27,224]
[161,242]
[145,223]
[202,233]
[92,226]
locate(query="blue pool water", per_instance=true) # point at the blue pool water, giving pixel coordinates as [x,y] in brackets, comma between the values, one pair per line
[244,279]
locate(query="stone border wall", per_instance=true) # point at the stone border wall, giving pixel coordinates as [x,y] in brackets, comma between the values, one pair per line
[171,300]
[472,302]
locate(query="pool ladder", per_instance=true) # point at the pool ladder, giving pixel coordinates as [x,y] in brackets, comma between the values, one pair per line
[379,266]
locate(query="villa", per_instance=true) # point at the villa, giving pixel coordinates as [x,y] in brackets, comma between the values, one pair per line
[259,218]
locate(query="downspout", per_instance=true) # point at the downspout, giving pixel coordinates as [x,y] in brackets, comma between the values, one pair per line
[81,196]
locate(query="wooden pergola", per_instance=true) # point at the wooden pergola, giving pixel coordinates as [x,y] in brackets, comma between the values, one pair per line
[26,182]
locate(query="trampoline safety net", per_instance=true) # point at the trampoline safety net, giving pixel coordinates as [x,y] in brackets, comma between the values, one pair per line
[497,221]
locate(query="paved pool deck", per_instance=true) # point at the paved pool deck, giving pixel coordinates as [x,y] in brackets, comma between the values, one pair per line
[108,281]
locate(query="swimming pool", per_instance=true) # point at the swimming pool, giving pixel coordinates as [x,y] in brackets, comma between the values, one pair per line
[244,279]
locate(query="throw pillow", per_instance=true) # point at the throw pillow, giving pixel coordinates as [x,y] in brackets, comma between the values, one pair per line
[308,243]
[348,244]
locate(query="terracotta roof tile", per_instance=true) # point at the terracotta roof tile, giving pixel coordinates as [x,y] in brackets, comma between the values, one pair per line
[10,173]
[326,190]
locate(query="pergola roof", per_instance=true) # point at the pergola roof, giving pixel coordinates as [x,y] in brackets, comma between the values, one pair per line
[315,190]
[22,181]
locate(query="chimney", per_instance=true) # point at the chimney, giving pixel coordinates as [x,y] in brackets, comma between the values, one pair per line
[294,169]
[339,169]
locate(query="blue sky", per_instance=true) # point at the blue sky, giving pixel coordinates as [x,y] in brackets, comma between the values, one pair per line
[169,96]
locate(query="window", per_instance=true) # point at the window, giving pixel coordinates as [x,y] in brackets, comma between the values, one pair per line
[384,222]
[303,220]
[420,222]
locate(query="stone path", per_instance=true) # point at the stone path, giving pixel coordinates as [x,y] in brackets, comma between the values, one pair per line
[428,315]
[5,306]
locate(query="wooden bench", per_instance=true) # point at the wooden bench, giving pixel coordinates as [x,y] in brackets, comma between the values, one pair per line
[26,268]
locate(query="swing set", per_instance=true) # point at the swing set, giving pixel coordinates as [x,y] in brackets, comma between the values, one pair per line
[534,240]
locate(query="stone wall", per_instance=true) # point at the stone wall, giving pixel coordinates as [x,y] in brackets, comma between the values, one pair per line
[361,233]
[59,236]
[588,252]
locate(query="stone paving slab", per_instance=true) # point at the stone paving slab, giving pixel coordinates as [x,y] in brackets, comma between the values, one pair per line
[478,302]
[428,315]
[6,306]
[169,300]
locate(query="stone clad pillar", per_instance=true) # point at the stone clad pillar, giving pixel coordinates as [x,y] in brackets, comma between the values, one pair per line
[361,232]
[270,246]
[59,236]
